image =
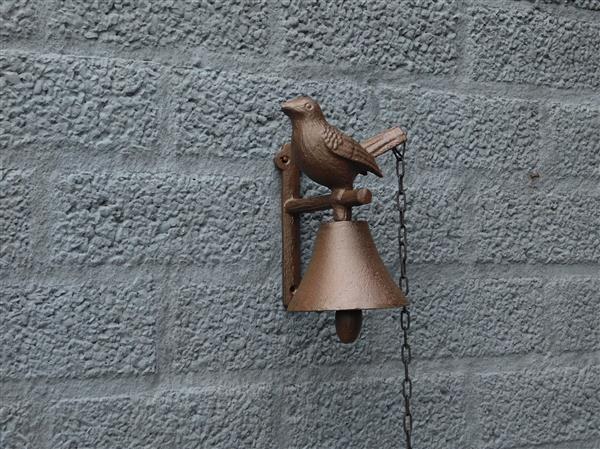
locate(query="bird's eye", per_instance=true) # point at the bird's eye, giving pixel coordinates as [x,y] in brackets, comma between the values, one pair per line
[308,106]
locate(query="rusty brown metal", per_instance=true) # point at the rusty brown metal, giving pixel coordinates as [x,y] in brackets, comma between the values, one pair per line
[348,324]
[323,152]
[345,273]
[347,198]
[290,224]
[384,141]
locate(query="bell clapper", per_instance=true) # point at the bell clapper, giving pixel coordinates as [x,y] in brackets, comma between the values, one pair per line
[348,324]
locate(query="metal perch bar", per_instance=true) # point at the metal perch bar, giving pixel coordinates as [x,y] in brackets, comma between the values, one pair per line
[384,141]
[347,198]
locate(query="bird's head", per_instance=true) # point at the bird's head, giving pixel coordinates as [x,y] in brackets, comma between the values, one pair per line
[302,107]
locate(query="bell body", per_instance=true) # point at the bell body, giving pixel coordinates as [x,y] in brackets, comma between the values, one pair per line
[346,273]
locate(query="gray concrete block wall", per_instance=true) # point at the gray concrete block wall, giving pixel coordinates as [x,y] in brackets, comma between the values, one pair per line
[139,229]
[545,49]
[78,331]
[210,417]
[133,218]
[240,27]
[417,36]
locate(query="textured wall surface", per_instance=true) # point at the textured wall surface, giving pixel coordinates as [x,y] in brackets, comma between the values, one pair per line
[140,301]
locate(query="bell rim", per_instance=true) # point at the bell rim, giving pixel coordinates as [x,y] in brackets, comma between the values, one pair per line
[333,309]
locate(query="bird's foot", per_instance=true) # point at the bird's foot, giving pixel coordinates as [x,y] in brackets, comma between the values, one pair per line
[340,211]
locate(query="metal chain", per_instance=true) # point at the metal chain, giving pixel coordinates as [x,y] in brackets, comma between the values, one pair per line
[406,354]
[401,205]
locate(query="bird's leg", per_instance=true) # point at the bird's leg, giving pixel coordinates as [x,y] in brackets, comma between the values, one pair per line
[340,212]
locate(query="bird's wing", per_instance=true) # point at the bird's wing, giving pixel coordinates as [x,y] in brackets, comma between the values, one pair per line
[348,148]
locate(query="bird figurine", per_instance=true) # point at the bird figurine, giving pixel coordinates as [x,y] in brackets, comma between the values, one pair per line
[330,157]
[323,152]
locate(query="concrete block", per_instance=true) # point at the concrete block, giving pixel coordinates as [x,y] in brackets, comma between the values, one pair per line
[456,131]
[587,4]
[553,225]
[216,418]
[233,27]
[575,143]
[77,331]
[135,218]
[226,327]
[15,217]
[235,115]
[19,424]
[493,220]
[538,406]
[436,220]
[18,19]
[470,317]
[415,36]
[80,104]
[533,47]
[583,4]
[575,314]
[359,414]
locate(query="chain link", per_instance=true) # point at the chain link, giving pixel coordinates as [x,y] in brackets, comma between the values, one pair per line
[406,354]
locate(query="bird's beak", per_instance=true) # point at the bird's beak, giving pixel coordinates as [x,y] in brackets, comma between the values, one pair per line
[287,107]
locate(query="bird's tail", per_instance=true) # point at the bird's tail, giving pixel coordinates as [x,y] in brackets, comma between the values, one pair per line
[384,141]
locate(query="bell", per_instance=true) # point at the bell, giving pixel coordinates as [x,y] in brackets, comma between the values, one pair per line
[346,274]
